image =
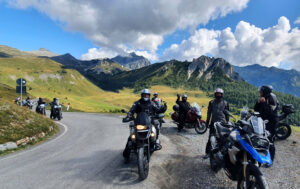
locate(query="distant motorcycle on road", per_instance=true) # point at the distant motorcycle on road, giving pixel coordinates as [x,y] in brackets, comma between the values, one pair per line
[41,109]
[56,112]
[193,118]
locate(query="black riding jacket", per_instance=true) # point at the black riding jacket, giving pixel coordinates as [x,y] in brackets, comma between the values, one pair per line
[269,109]
[146,106]
[184,106]
[215,112]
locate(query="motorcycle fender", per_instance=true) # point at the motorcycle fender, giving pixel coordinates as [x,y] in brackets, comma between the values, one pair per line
[232,154]
[263,159]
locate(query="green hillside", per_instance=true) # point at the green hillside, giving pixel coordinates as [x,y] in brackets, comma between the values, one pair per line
[48,79]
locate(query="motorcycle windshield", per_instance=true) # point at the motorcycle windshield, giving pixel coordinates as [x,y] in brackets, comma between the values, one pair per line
[244,112]
[257,124]
[143,119]
[197,108]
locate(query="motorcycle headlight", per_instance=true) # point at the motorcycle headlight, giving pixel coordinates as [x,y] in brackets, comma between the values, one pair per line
[133,136]
[141,127]
[260,143]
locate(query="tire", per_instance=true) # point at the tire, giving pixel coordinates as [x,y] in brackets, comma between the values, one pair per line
[255,179]
[200,128]
[59,117]
[283,131]
[213,164]
[143,164]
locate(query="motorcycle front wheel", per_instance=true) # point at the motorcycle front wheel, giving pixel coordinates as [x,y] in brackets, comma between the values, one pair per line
[200,128]
[255,179]
[283,131]
[143,163]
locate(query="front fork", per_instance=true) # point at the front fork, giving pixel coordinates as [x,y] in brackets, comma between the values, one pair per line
[245,164]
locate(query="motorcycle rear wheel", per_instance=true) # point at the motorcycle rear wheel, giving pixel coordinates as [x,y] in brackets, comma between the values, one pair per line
[283,131]
[143,164]
[255,179]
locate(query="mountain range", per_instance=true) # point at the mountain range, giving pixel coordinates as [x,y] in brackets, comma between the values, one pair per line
[286,81]
[201,74]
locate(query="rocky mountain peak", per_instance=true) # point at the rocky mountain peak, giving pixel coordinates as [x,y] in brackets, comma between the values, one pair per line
[208,65]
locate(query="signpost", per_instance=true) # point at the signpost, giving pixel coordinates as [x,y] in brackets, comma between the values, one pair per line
[21,88]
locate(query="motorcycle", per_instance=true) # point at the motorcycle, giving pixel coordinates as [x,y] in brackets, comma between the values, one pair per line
[159,117]
[41,109]
[241,148]
[283,130]
[193,118]
[28,103]
[56,112]
[142,141]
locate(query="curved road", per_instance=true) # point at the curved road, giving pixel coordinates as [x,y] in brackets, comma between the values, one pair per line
[88,154]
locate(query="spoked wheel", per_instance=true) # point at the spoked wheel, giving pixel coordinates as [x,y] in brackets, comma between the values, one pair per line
[143,163]
[254,180]
[283,131]
[200,127]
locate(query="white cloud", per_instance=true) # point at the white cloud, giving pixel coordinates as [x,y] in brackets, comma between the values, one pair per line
[247,45]
[139,24]
[297,21]
[95,53]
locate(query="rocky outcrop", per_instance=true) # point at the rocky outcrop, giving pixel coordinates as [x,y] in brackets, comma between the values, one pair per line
[207,66]
[132,61]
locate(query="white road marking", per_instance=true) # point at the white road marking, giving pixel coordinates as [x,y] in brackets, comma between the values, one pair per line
[41,145]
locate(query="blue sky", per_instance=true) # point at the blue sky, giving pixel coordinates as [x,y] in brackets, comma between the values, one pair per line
[28,29]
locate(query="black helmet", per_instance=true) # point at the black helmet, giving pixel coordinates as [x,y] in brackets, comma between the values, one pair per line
[266,90]
[54,99]
[145,91]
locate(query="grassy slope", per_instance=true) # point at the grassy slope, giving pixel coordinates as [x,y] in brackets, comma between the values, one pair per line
[18,122]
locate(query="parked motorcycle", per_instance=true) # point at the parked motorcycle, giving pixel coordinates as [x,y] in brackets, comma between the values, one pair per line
[241,149]
[193,118]
[142,143]
[283,130]
[56,112]
[28,103]
[41,109]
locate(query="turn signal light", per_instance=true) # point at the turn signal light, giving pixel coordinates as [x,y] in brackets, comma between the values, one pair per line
[152,135]
[141,127]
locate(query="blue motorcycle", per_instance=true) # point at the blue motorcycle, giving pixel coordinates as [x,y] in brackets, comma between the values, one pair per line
[241,148]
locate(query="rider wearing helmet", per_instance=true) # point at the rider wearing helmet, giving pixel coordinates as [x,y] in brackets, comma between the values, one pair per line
[267,106]
[55,102]
[144,105]
[156,100]
[215,113]
[184,107]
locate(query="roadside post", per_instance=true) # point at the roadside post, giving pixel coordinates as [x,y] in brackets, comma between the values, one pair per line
[21,88]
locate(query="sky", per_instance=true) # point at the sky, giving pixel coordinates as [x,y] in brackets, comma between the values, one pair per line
[243,32]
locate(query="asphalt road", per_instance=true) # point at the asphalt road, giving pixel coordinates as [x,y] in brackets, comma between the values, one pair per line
[88,154]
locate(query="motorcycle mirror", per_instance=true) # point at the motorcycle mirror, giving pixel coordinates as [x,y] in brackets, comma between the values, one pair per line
[203,106]
[266,121]
[123,111]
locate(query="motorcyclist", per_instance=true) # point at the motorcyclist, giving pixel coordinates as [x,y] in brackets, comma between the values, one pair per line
[184,107]
[55,102]
[158,102]
[215,113]
[40,101]
[144,105]
[267,105]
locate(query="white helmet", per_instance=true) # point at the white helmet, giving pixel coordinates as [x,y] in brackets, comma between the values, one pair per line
[145,91]
[219,90]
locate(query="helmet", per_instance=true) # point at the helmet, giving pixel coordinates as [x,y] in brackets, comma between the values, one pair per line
[266,90]
[54,99]
[219,90]
[184,98]
[145,91]
[155,94]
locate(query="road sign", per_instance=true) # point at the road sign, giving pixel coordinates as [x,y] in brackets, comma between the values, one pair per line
[21,81]
[18,89]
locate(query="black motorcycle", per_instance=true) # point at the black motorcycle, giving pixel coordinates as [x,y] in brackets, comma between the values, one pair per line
[29,104]
[283,130]
[240,149]
[41,109]
[56,112]
[142,141]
